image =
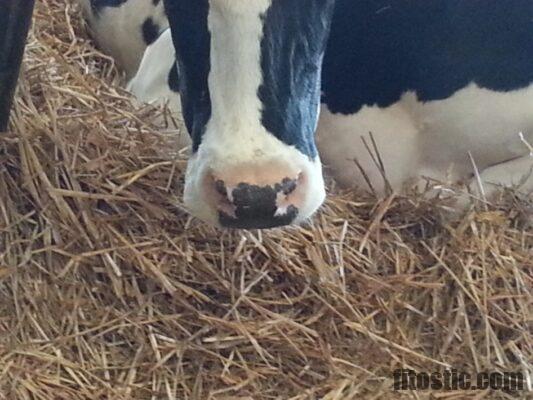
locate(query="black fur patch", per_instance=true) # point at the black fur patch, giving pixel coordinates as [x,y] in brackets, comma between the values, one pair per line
[150,31]
[294,40]
[174,79]
[192,39]
[380,49]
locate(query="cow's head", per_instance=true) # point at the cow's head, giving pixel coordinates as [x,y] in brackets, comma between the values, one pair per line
[250,74]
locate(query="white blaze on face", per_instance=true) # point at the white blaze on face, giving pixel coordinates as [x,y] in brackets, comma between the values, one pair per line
[235,135]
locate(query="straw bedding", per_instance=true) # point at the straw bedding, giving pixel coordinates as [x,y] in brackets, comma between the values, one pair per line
[108,290]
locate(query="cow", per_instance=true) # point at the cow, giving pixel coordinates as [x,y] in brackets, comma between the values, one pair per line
[384,92]
[124,28]
[136,34]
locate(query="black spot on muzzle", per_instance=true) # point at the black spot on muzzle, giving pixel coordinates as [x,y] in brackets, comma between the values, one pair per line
[256,206]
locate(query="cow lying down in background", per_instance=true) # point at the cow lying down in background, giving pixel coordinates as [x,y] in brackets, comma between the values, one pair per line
[406,90]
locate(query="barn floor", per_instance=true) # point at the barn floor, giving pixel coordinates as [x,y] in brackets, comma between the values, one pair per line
[109,291]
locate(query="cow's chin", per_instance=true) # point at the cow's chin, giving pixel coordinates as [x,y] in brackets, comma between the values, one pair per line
[201,200]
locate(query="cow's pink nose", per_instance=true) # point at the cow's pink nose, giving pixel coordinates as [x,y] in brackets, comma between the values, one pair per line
[256,203]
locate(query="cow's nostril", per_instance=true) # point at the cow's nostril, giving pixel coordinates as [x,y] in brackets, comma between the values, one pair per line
[220,187]
[287,186]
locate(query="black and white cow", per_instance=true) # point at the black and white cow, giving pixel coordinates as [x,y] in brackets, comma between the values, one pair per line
[124,28]
[444,86]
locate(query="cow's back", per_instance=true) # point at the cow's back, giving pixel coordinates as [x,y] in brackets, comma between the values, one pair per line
[381,49]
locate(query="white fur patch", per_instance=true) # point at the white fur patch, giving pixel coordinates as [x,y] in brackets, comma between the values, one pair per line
[431,139]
